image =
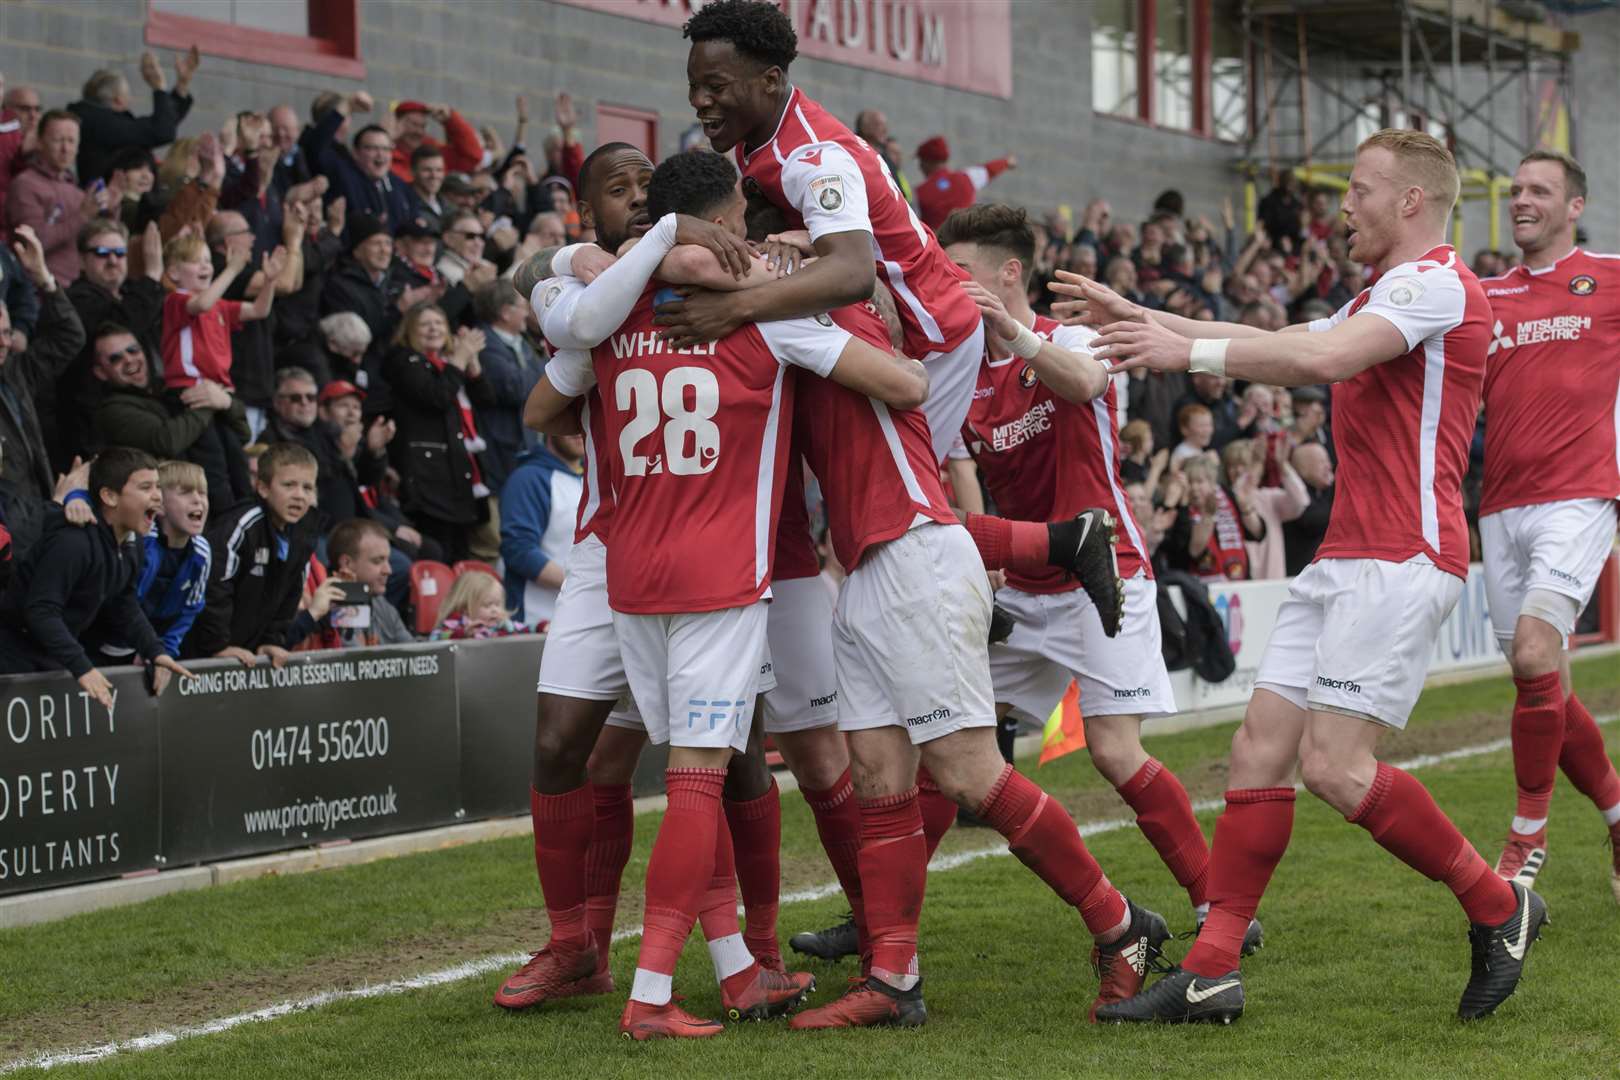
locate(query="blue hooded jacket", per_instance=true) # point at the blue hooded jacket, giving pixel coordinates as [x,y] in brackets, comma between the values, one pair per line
[172,613]
[538,478]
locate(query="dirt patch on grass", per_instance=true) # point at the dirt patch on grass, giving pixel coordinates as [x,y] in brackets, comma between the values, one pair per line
[514,931]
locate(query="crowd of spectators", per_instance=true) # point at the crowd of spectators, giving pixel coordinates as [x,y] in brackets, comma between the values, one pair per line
[303,341]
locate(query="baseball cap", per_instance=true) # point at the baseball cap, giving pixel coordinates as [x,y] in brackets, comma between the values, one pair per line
[340,388]
[408,107]
[417,227]
[935,149]
[363,228]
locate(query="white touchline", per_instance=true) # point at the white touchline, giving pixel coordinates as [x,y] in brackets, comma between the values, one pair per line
[474,968]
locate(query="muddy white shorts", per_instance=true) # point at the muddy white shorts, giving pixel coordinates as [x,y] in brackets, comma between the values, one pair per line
[910,636]
[1058,637]
[695,676]
[799,629]
[1556,547]
[1356,635]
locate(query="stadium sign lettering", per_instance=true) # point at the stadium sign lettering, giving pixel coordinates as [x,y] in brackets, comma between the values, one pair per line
[56,716]
[963,45]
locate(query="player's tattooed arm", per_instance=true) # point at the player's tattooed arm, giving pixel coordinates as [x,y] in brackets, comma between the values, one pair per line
[535,269]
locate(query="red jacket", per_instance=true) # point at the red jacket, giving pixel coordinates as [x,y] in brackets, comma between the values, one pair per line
[463,153]
[948,189]
[54,206]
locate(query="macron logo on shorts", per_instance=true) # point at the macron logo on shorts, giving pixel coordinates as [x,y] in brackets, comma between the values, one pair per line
[1347,685]
[941,713]
[818,702]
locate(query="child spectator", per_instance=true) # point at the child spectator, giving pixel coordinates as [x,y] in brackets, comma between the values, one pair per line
[75,581]
[197,322]
[357,551]
[1197,426]
[476,608]
[260,554]
[176,559]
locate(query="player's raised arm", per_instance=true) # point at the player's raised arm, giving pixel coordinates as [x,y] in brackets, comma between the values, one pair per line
[1095,305]
[1073,373]
[821,346]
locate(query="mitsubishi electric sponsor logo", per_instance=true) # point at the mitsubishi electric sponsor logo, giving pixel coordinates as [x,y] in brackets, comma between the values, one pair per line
[1538,331]
[1026,427]
[941,713]
[1349,686]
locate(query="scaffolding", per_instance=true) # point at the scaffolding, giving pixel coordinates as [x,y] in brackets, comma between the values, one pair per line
[1401,63]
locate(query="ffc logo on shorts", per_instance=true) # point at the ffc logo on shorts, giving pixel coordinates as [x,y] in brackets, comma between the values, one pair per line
[1583,284]
[1028,378]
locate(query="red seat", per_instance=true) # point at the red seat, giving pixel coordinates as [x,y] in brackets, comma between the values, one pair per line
[430,584]
[469,566]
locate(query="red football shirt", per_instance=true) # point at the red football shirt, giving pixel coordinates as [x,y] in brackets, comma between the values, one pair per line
[795,544]
[876,464]
[198,347]
[696,446]
[1402,428]
[1552,383]
[828,179]
[1044,457]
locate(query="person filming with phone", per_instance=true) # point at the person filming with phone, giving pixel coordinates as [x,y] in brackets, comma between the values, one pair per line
[349,610]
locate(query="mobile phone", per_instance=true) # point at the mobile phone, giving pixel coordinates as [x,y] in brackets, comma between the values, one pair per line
[352,610]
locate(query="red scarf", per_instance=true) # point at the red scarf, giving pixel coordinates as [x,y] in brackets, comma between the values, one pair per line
[470,438]
[1226,558]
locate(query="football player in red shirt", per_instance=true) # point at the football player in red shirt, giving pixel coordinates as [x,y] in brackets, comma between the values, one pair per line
[1552,474]
[1042,429]
[831,183]
[1351,646]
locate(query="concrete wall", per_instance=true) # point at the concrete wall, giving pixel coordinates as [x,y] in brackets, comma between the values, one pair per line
[478,53]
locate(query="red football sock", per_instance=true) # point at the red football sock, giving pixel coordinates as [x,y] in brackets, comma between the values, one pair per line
[681,865]
[1165,816]
[1043,836]
[1538,736]
[838,823]
[1014,545]
[1402,816]
[756,831]
[717,913]
[894,872]
[1584,758]
[562,833]
[938,812]
[605,860]
[1250,838]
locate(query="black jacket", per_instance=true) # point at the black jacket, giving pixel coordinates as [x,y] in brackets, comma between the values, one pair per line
[74,580]
[510,375]
[338,482]
[26,382]
[297,315]
[139,307]
[349,288]
[1198,641]
[19,294]
[435,469]
[252,595]
[103,132]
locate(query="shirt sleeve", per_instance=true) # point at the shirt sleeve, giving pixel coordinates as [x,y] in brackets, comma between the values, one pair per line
[583,318]
[570,372]
[828,189]
[1419,305]
[1077,339]
[1316,326]
[232,310]
[808,343]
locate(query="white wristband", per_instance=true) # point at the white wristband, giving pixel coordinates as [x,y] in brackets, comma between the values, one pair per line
[1209,356]
[562,263]
[1026,344]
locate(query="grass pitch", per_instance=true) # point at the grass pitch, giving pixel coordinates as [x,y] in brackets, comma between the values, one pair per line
[1361,974]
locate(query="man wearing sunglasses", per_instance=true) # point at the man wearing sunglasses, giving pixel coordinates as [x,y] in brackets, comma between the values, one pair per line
[105,292]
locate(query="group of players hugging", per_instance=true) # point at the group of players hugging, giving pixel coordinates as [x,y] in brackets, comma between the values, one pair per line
[775,311]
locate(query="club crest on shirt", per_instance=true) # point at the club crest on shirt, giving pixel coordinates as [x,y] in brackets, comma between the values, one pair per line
[1406,293]
[1027,378]
[828,191]
[824,319]
[1583,284]
[549,297]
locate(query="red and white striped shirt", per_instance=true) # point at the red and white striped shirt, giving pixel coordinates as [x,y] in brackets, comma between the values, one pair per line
[1402,427]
